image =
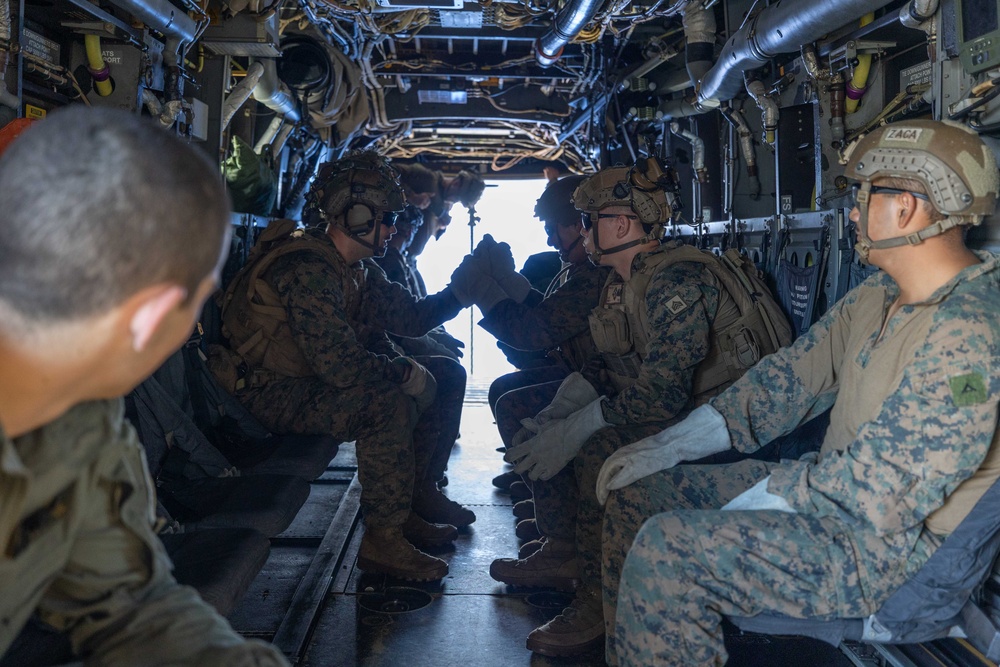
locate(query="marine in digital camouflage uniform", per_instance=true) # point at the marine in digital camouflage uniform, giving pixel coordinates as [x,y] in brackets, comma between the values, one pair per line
[87,324]
[556,322]
[911,446]
[354,383]
[654,359]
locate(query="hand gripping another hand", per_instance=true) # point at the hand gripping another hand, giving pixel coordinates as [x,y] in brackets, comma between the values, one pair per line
[701,434]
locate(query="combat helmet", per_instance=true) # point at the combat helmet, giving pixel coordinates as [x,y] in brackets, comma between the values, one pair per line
[956,169]
[556,203]
[356,193]
[646,187]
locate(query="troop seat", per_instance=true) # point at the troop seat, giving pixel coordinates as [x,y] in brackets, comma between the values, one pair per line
[939,600]
[219,563]
[195,482]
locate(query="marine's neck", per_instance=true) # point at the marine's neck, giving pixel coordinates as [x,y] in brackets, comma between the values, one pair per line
[921,270]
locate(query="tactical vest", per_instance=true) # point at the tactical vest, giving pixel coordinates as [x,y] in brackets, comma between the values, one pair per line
[253,317]
[748,323]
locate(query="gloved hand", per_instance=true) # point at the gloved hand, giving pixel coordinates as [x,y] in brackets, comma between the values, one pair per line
[471,284]
[447,340]
[548,452]
[757,497]
[421,384]
[499,263]
[574,393]
[703,433]
[497,258]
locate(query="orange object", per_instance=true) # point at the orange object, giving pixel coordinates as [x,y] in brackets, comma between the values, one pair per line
[11,131]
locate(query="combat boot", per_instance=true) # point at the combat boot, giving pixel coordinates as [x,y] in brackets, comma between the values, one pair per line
[527,529]
[422,534]
[524,509]
[434,506]
[529,548]
[519,491]
[505,479]
[387,551]
[554,565]
[578,629]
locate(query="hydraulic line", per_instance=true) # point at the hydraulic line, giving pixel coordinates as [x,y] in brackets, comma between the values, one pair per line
[99,69]
[858,83]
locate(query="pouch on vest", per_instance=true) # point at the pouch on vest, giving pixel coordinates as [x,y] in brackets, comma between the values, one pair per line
[610,330]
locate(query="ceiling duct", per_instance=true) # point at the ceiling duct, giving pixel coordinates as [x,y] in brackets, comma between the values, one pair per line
[162,17]
[567,24]
[780,28]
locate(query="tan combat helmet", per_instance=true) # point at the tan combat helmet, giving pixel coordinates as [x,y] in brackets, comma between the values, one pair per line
[356,193]
[646,187]
[957,170]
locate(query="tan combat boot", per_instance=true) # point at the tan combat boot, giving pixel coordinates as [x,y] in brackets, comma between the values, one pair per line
[578,629]
[434,506]
[387,551]
[422,534]
[553,565]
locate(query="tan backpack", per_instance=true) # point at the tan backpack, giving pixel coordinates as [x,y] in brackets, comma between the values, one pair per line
[253,317]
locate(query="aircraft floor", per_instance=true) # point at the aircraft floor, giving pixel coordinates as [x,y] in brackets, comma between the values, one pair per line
[469,619]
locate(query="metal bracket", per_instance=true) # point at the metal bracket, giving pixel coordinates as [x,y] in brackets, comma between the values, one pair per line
[846,56]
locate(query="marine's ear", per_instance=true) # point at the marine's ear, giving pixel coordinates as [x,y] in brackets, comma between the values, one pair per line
[150,307]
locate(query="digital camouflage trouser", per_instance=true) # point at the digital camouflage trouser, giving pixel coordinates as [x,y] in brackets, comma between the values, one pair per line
[445,413]
[524,378]
[396,447]
[521,403]
[688,568]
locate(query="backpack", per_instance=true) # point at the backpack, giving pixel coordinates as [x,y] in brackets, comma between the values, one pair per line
[253,317]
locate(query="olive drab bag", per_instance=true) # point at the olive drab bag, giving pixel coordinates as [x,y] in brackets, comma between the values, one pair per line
[756,328]
[254,320]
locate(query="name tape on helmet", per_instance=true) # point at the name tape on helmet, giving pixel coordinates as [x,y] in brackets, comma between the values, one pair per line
[910,135]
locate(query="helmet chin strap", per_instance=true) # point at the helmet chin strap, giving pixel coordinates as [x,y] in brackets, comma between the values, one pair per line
[865,244]
[572,245]
[600,252]
[374,245]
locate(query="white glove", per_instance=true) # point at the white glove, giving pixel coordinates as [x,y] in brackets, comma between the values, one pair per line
[701,434]
[421,385]
[548,452]
[574,393]
[758,498]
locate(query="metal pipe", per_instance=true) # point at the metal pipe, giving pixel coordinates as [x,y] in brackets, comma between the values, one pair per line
[240,94]
[274,94]
[281,138]
[269,134]
[811,64]
[7,98]
[565,27]
[697,151]
[916,13]
[5,29]
[699,37]
[162,17]
[682,108]
[780,28]
[768,107]
[735,119]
